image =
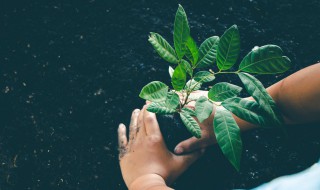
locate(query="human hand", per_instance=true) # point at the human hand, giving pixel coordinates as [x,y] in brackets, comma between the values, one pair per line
[145,154]
[207,134]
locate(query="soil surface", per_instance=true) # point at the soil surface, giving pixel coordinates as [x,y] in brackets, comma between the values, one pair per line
[71,71]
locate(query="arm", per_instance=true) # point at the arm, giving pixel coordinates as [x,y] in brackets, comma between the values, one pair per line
[297,96]
[145,161]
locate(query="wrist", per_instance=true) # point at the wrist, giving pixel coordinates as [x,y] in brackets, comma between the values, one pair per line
[149,182]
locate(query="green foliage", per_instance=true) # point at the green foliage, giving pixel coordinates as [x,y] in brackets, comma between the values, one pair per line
[179,77]
[228,48]
[267,59]
[204,76]
[222,91]
[221,53]
[181,32]
[203,108]
[191,124]
[192,52]
[228,136]
[255,88]
[207,52]
[155,91]
[163,48]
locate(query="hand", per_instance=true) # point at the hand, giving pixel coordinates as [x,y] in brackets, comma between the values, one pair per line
[145,154]
[207,135]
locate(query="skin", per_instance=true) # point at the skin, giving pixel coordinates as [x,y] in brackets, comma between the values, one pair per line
[146,162]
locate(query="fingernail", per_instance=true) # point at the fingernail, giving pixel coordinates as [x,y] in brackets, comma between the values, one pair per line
[178,150]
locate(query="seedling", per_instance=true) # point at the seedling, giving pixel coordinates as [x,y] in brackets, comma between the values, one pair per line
[192,66]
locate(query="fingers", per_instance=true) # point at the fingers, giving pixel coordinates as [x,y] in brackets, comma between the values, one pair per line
[190,145]
[134,123]
[122,140]
[141,127]
[151,123]
[184,161]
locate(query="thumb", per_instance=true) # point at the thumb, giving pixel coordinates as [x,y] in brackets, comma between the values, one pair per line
[184,161]
[190,145]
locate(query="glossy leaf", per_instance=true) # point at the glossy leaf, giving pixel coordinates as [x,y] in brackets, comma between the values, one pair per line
[191,124]
[189,111]
[160,108]
[247,110]
[255,88]
[204,76]
[172,100]
[155,91]
[163,48]
[192,85]
[266,59]
[222,91]
[186,65]
[171,70]
[192,52]
[179,77]
[181,32]
[207,52]
[228,136]
[203,108]
[228,48]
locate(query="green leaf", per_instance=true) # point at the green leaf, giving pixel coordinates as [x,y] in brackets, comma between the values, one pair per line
[181,32]
[204,76]
[222,91]
[228,136]
[245,109]
[189,111]
[255,88]
[266,59]
[160,108]
[171,70]
[203,108]
[192,85]
[155,91]
[192,52]
[172,100]
[207,52]
[163,48]
[186,65]
[191,124]
[228,48]
[179,77]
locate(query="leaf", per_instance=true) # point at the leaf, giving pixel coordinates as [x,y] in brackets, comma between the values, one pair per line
[191,124]
[171,70]
[255,88]
[203,108]
[266,59]
[187,67]
[160,108]
[172,100]
[192,52]
[222,91]
[204,76]
[155,91]
[228,48]
[192,85]
[245,109]
[163,48]
[228,136]
[189,111]
[179,77]
[181,32]
[207,52]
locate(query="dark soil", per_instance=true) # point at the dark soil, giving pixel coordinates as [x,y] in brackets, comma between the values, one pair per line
[71,71]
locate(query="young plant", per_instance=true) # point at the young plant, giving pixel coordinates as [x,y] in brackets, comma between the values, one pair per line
[221,52]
